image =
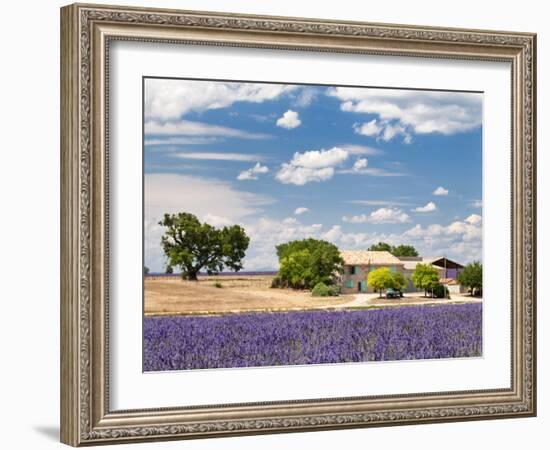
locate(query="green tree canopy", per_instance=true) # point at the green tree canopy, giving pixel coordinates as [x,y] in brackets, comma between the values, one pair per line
[169,269]
[404,250]
[381,247]
[304,263]
[383,278]
[400,250]
[400,281]
[425,276]
[193,245]
[145,270]
[472,277]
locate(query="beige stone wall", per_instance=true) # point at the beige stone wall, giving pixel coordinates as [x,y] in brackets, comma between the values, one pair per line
[362,276]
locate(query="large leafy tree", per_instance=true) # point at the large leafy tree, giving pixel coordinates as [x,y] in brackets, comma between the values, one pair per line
[400,281]
[193,245]
[404,250]
[304,263]
[425,277]
[295,270]
[383,278]
[472,277]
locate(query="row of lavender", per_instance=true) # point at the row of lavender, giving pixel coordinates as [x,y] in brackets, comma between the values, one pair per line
[315,337]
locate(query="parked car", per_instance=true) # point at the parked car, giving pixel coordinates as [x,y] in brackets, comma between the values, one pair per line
[393,293]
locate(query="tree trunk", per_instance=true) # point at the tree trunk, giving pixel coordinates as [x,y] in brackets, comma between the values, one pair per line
[189,273]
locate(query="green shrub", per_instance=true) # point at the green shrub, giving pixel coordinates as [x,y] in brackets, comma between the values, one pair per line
[440,291]
[322,290]
[218,284]
[335,290]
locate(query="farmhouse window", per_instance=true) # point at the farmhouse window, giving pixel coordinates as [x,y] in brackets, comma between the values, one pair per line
[349,284]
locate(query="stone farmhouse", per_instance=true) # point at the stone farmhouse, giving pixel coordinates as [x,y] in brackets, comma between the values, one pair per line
[358,264]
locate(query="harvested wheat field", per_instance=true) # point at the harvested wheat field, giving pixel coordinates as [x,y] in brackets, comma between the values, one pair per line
[172,296]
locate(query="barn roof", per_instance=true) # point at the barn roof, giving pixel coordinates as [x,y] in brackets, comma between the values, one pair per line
[442,261]
[437,261]
[363,257]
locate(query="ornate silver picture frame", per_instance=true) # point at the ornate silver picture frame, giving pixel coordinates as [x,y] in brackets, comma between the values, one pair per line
[87,32]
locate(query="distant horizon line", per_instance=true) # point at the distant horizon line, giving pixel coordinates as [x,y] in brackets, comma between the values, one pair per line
[242,272]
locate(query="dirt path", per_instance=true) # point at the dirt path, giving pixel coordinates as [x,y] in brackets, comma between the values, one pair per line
[365,300]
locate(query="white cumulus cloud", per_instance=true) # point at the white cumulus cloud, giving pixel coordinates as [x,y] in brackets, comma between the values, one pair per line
[428,207]
[289,174]
[289,120]
[440,190]
[317,159]
[290,221]
[313,165]
[474,219]
[253,172]
[381,215]
[401,112]
[383,130]
[301,210]
[334,234]
[371,128]
[217,221]
[468,230]
[168,99]
[360,164]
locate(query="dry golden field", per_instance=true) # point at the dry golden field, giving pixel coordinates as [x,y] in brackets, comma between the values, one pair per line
[171,295]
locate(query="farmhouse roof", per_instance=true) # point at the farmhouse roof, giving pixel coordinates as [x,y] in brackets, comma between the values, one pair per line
[436,261]
[411,265]
[363,257]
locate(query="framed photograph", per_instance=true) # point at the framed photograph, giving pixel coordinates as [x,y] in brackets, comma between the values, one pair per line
[279,224]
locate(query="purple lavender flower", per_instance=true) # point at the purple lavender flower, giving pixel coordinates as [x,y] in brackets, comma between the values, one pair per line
[314,337]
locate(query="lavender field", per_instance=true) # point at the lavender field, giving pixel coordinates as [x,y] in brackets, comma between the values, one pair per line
[314,337]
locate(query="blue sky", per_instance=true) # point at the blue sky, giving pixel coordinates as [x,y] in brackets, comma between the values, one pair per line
[351,165]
